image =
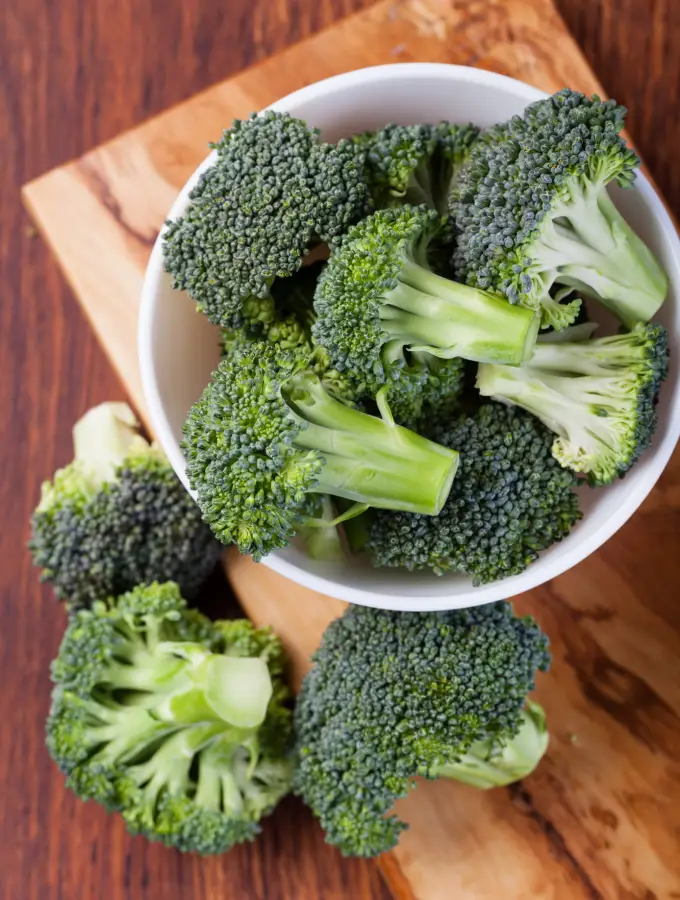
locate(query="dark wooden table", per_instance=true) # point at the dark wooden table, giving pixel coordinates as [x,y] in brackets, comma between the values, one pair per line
[74,73]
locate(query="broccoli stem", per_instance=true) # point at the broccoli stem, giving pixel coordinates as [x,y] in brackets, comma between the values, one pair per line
[125,733]
[217,787]
[320,536]
[168,769]
[419,189]
[449,319]
[604,356]
[368,459]
[587,411]
[490,763]
[606,259]
[102,438]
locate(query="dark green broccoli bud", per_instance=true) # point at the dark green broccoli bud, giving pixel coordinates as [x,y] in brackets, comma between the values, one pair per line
[599,396]
[273,192]
[415,163]
[394,695]
[532,212]
[494,762]
[266,433]
[378,297]
[117,516]
[177,723]
[510,500]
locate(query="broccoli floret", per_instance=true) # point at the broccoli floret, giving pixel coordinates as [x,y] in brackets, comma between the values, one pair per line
[378,297]
[598,396]
[532,212]
[274,191]
[394,695]
[510,500]
[493,763]
[177,723]
[266,433]
[288,325]
[117,516]
[415,163]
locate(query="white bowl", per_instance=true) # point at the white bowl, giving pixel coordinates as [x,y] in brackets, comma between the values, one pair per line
[178,348]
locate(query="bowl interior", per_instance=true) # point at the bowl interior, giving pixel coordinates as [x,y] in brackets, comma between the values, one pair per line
[179,348]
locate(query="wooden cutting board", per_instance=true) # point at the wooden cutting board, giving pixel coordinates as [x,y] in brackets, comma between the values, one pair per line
[601,817]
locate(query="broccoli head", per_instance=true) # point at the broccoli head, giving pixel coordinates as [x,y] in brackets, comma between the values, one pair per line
[533,214]
[599,396]
[415,164]
[266,432]
[393,695]
[117,516]
[510,500]
[274,190]
[378,297]
[177,723]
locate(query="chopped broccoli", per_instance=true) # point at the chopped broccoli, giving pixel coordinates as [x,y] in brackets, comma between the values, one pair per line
[598,396]
[117,516]
[415,163]
[493,763]
[393,695]
[177,723]
[532,212]
[510,500]
[274,191]
[378,296]
[265,433]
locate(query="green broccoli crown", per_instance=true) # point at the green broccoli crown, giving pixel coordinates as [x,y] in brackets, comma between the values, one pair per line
[378,296]
[532,212]
[266,432]
[393,695]
[177,723]
[510,500]
[599,396]
[274,190]
[104,525]
[415,163]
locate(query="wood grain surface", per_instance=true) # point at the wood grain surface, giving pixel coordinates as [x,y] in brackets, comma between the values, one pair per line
[600,819]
